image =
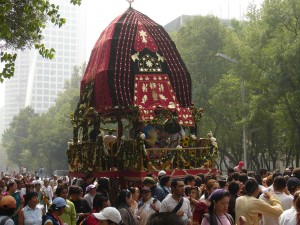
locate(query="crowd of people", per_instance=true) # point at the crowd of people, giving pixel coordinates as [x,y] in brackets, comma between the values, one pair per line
[206,199]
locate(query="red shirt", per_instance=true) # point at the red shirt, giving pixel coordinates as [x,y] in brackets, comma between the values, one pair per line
[200,209]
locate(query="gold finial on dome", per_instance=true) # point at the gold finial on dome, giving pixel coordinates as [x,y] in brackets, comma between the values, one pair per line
[130,1]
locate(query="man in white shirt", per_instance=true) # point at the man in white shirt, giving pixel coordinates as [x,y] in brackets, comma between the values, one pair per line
[172,201]
[289,217]
[147,206]
[286,201]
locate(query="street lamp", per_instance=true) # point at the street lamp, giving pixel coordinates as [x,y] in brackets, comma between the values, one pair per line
[243,104]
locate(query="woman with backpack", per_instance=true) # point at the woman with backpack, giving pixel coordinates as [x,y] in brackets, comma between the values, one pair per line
[217,211]
[55,210]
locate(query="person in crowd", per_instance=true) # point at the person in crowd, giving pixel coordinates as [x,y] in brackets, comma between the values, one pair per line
[234,190]
[239,167]
[11,190]
[161,174]
[189,180]
[69,214]
[7,208]
[177,203]
[202,207]
[210,186]
[192,194]
[53,182]
[268,181]
[275,174]
[262,189]
[103,186]
[36,180]
[20,186]
[90,194]
[296,173]
[100,202]
[3,184]
[29,188]
[147,206]
[222,182]
[109,216]
[250,207]
[31,214]
[230,171]
[165,184]
[292,215]
[217,211]
[165,218]
[135,192]
[48,192]
[123,205]
[281,192]
[286,201]
[55,211]
[198,181]
[89,179]
[82,207]
[157,192]
[59,183]
[263,173]
[293,185]
[235,176]
[41,196]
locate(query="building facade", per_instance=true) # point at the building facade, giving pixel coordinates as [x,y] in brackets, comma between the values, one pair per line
[38,81]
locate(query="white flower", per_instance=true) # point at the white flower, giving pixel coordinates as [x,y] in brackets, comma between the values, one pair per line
[193,137]
[179,147]
[142,136]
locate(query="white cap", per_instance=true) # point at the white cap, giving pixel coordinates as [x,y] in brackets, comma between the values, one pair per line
[161,173]
[109,213]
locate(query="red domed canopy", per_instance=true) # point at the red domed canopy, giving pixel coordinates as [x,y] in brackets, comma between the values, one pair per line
[135,63]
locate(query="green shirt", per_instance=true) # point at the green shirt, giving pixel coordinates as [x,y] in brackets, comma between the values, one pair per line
[69,216]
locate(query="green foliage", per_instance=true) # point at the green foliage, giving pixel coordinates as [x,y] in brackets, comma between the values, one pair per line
[267,50]
[22,23]
[34,140]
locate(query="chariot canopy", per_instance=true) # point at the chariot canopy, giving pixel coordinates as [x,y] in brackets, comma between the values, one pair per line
[135,64]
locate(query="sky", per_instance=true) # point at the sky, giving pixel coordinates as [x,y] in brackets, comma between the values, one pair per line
[99,13]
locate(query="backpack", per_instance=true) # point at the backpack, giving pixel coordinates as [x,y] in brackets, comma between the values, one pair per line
[211,218]
[4,219]
[49,217]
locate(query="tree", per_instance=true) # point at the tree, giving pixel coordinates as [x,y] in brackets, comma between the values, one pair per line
[15,138]
[34,140]
[22,24]
[270,54]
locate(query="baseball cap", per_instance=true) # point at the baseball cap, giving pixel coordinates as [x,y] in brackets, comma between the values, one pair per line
[8,202]
[109,213]
[161,173]
[241,163]
[60,202]
[88,188]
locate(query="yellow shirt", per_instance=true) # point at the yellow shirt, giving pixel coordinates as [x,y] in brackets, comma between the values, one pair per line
[251,207]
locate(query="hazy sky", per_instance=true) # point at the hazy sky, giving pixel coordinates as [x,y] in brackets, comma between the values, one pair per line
[101,12]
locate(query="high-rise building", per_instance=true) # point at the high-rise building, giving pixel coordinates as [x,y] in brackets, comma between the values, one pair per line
[37,81]
[1,121]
